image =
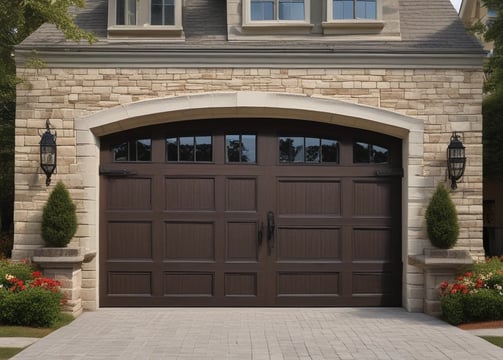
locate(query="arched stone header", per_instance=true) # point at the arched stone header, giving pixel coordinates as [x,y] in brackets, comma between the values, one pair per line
[259,105]
[248,104]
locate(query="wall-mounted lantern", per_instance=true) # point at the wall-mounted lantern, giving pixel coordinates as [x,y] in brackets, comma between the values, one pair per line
[48,152]
[456,159]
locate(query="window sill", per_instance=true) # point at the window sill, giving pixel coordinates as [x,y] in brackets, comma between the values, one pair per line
[147,31]
[277,28]
[345,27]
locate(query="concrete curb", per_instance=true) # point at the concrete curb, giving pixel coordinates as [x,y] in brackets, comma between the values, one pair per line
[16,342]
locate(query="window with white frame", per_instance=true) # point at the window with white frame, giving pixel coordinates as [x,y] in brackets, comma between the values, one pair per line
[277,10]
[144,16]
[352,9]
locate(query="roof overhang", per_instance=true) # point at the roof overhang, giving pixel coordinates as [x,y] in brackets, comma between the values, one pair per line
[251,57]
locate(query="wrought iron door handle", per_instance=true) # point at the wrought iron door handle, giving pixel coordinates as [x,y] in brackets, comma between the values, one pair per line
[270,229]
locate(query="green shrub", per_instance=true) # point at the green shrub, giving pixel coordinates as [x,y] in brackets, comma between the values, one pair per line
[491,265]
[59,219]
[452,309]
[34,306]
[442,220]
[21,271]
[26,297]
[483,305]
[475,296]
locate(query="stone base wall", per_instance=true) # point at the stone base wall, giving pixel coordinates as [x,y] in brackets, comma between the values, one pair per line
[445,100]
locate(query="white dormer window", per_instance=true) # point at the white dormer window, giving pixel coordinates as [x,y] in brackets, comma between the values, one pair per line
[268,12]
[352,9]
[264,10]
[353,17]
[145,18]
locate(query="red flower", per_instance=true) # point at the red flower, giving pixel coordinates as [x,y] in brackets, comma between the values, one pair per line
[443,285]
[36,274]
[460,278]
[468,274]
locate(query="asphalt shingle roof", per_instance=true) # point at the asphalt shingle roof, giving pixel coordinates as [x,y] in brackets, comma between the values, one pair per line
[429,26]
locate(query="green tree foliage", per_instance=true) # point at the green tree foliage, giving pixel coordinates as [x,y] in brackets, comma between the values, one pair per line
[59,220]
[492,110]
[492,106]
[494,32]
[19,18]
[442,219]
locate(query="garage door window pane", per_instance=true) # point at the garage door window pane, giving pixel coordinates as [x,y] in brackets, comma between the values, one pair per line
[312,150]
[329,151]
[186,148]
[144,150]
[189,148]
[203,148]
[121,152]
[172,149]
[134,150]
[241,148]
[291,149]
[369,153]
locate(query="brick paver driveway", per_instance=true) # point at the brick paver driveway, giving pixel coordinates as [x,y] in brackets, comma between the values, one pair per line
[259,333]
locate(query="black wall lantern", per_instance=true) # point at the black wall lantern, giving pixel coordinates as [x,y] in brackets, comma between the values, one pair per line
[456,159]
[48,152]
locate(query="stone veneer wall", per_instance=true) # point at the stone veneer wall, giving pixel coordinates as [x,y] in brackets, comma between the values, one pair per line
[446,100]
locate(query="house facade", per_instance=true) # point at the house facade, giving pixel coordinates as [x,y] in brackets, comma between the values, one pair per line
[252,153]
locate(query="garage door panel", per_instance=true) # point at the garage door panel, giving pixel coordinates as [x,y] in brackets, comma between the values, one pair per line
[189,194]
[372,198]
[189,241]
[129,194]
[374,283]
[129,240]
[240,284]
[309,244]
[373,244]
[309,197]
[308,284]
[129,283]
[242,243]
[188,284]
[241,194]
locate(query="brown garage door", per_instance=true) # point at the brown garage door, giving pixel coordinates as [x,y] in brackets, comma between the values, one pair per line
[250,213]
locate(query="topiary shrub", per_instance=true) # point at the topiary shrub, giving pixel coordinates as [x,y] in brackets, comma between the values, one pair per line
[442,220]
[59,219]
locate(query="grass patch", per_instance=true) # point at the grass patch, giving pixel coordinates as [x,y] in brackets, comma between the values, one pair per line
[496,340]
[7,353]
[24,331]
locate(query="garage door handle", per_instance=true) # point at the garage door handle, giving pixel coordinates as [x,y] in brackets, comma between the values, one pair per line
[270,230]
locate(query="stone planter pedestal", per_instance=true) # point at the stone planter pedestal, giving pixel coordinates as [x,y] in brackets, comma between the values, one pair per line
[64,265]
[439,265]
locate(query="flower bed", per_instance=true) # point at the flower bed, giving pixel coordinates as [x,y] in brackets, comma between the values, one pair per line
[26,297]
[475,296]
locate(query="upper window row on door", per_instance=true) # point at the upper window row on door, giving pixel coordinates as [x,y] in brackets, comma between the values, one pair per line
[242,148]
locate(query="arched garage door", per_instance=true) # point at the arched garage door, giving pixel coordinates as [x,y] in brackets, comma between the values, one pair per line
[244,212]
